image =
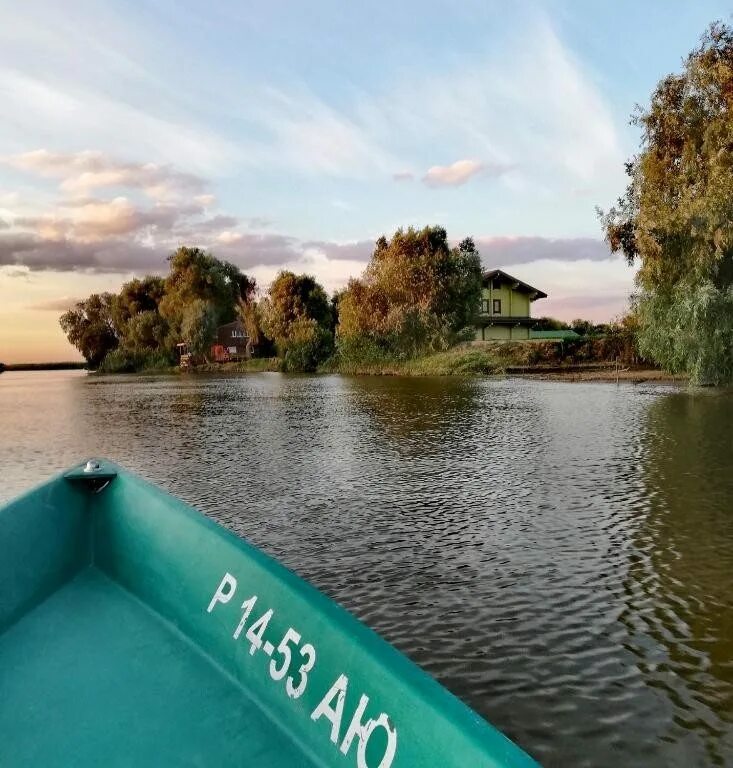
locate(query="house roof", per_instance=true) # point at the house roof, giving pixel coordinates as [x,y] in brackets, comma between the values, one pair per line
[518,285]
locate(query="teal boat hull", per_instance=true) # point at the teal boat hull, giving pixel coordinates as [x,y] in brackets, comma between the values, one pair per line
[134,631]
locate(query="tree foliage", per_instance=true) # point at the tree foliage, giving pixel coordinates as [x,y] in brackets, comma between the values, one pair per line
[297,313]
[138,322]
[416,293]
[550,324]
[197,275]
[676,217]
[136,296]
[90,327]
[143,323]
[198,326]
[309,343]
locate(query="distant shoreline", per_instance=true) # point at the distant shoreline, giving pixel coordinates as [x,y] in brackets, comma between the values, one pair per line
[67,366]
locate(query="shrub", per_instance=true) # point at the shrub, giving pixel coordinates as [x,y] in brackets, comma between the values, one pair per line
[122,360]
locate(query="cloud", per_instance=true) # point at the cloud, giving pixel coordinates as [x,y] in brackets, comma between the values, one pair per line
[360,250]
[8,198]
[504,251]
[83,172]
[91,220]
[4,224]
[403,176]
[455,174]
[528,105]
[55,305]
[523,99]
[302,132]
[124,233]
[65,255]
[257,222]
[595,289]
[48,103]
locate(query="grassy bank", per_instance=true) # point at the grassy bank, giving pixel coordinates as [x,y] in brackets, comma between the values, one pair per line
[539,359]
[458,361]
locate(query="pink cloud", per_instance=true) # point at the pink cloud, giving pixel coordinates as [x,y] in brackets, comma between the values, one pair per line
[83,172]
[461,171]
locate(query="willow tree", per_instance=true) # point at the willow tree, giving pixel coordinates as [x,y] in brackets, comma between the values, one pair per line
[90,327]
[196,275]
[676,217]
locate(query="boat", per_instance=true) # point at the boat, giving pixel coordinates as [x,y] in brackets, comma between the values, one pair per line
[135,631]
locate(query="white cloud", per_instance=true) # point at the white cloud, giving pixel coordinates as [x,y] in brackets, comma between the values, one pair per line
[228,237]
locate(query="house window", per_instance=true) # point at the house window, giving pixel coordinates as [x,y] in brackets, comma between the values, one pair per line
[496,284]
[484,306]
[497,306]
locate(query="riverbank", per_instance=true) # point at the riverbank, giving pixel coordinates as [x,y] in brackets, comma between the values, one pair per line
[601,373]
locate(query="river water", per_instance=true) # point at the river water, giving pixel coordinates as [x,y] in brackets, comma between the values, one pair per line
[558,555]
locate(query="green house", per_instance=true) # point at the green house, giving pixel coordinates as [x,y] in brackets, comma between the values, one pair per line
[504,313]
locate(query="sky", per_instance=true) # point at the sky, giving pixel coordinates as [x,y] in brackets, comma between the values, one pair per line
[292,135]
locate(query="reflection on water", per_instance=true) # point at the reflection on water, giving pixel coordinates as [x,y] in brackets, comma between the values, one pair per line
[558,555]
[679,611]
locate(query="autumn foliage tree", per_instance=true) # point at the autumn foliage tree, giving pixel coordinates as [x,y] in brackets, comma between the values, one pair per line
[416,295]
[676,218]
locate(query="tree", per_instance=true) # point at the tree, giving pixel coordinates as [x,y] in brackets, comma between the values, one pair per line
[146,331]
[308,344]
[151,314]
[291,300]
[137,295]
[138,324]
[582,327]
[90,327]
[676,217]
[550,324]
[197,275]
[416,293]
[198,327]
